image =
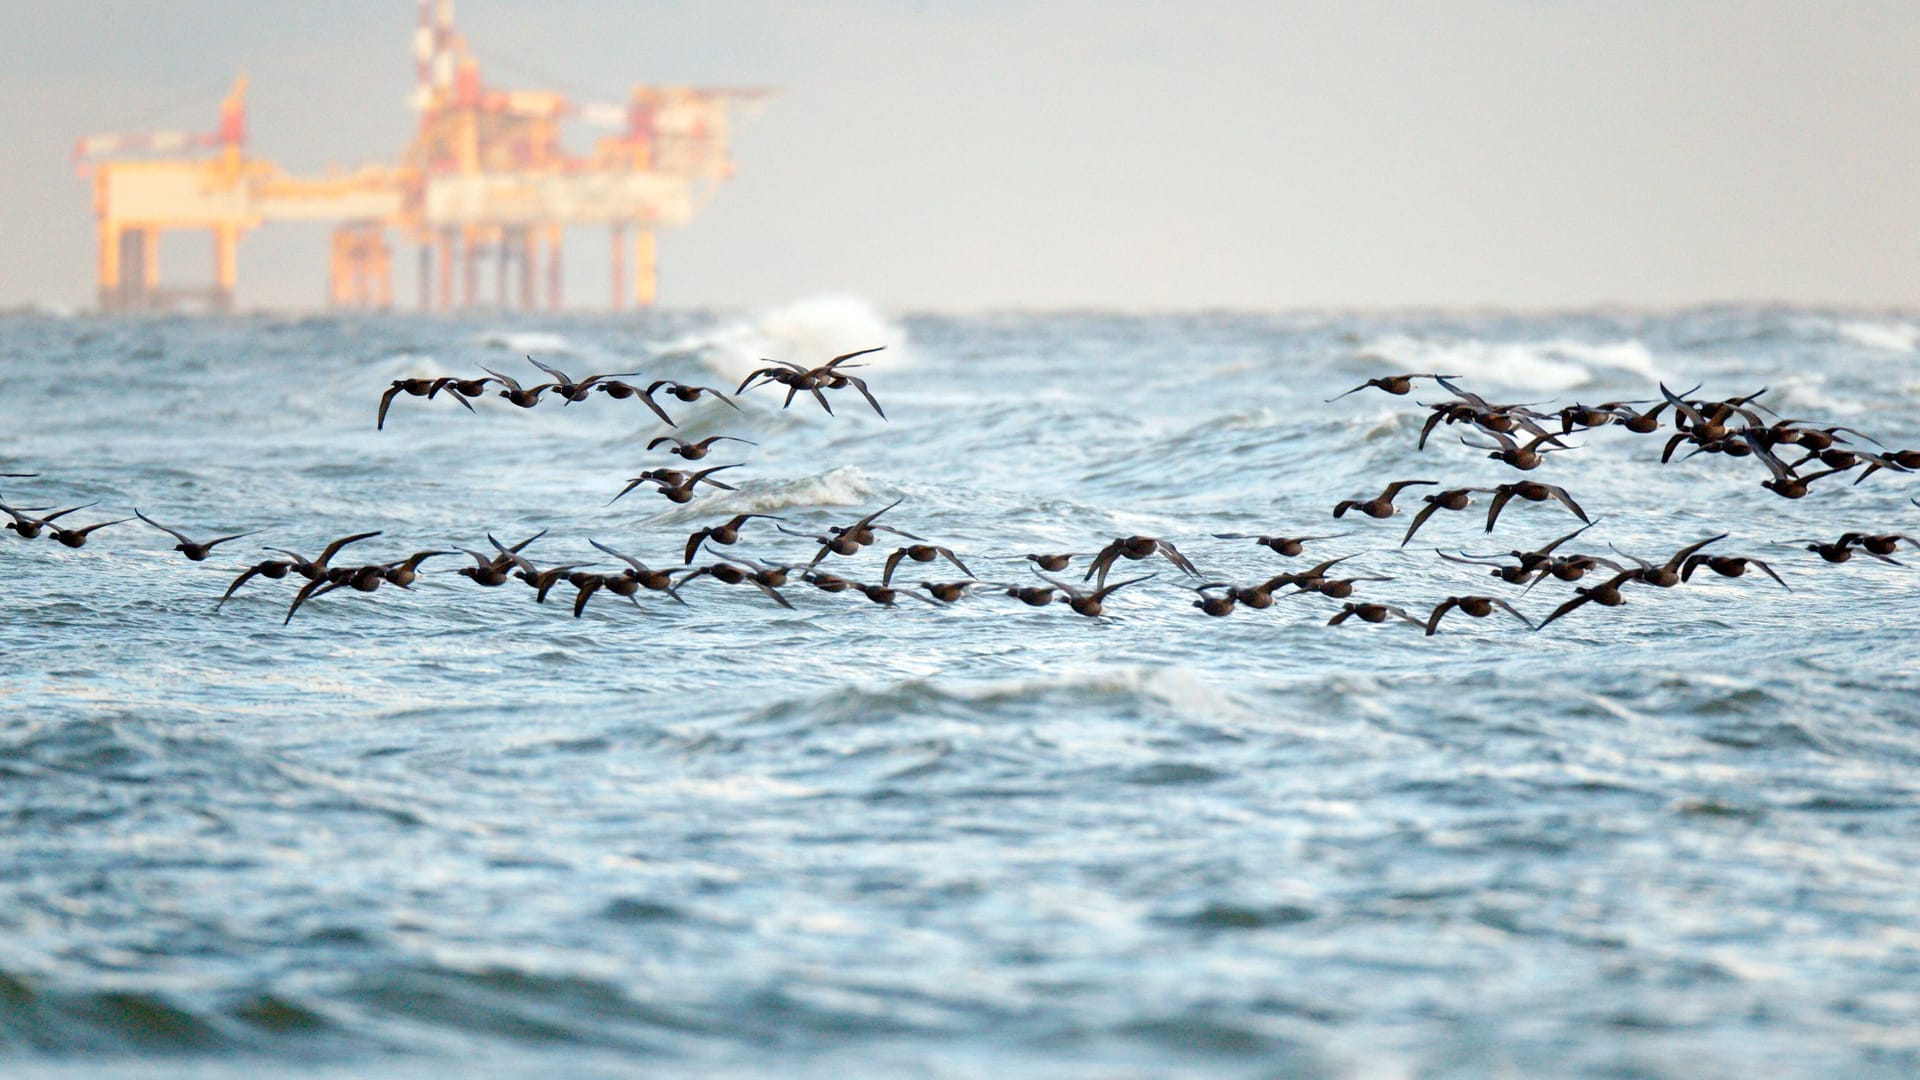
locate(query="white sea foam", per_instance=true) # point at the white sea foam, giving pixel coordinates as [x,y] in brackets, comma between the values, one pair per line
[844,486]
[1549,366]
[411,365]
[524,341]
[1896,337]
[810,331]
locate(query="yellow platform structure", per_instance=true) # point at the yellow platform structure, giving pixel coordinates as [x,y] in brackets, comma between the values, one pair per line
[485,177]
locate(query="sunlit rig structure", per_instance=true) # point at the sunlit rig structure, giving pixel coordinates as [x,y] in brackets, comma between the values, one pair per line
[485,178]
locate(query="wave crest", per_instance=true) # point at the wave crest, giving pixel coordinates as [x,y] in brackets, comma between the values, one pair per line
[842,486]
[806,331]
[1553,365]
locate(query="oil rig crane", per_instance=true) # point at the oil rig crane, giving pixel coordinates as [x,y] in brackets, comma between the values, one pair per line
[486,177]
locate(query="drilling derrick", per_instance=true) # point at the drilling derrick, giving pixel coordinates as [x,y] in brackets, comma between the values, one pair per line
[486,177]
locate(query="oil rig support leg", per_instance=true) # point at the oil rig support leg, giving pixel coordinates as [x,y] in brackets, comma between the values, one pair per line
[644,281]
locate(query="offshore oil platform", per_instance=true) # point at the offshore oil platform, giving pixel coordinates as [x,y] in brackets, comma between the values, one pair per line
[485,179]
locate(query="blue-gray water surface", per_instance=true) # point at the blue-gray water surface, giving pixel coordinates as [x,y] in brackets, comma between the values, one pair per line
[453,831]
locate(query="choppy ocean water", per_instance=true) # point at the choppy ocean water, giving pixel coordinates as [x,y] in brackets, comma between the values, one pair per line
[453,830]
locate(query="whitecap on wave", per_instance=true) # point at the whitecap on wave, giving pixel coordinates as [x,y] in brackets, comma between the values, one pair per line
[844,486]
[1551,366]
[1897,337]
[524,341]
[810,331]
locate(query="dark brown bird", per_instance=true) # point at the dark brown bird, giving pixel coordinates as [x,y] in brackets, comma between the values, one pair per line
[1216,606]
[620,391]
[1707,421]
[1473,409]
[28,526]
[1813,439]
[1032,595]
[468,388]
[1525,458]
[1898,460]
[948,592]
[1512,575]
[271,569]
[724,534]
[1337,589]
[194,552]
[585,584]
[1288,546]
[1735,444]
[1571,568]
[1373,613]
[1785,483]
[825,582]
[830,544]
[1587,416]
[812,380]
[1606,594]
[402,574]
[1531,491]
[487,571]
[921,553]
[1839,458]
[1261,596]
[1090,603]
[687,393]
[1478,607]
[885,595]
[425,388]
[862,531]
[1136,548]
[1451,499]
[329,580]
[1878,543]
[1837,552]
[1729,566]
[1530,563]
[1397,385]
[696,450]
[573,391]
[1668,574]
[358,578]
[623,584]
[839,379]
[525,397]
[740,571]
[1640,423]
[491,571]
[1053,563]
[541,581]
[677,486]
[1382,505]
[647,577]
[74,538]
[845,540]
[318,567]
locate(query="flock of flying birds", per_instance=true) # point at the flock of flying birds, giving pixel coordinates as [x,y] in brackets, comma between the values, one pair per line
[1521,437]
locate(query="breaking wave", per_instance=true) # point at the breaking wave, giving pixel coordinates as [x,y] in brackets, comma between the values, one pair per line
[812,330]
[843,486]
[1549,366]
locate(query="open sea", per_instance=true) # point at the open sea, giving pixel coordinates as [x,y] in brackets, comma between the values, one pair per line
[453,832]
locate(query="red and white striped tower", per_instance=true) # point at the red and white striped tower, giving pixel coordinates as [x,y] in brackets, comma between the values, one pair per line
[433,51]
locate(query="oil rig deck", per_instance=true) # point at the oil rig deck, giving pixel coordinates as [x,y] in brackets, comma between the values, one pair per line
[486,178]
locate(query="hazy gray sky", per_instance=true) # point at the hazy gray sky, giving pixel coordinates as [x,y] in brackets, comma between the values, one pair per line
[1211,153]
